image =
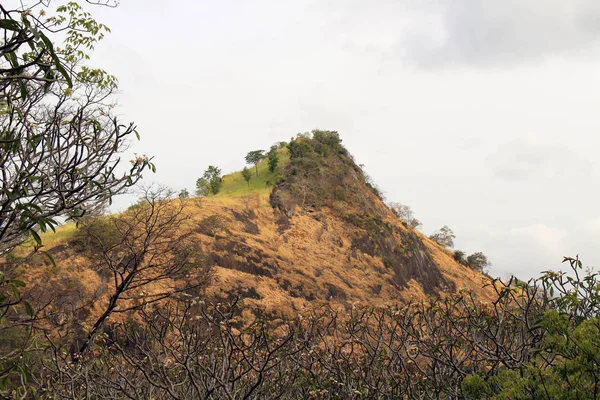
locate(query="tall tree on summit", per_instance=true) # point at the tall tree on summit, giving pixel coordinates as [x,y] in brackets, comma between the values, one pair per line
[254,157]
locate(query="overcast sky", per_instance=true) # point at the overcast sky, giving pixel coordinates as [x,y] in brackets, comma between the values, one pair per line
[481,115]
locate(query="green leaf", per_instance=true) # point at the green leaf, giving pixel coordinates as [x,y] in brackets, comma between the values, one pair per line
[12,59]
[64,73]
[52,224]
[57,63]
[16,292]
[28,308]
[10,24]
[18,283]
[36,237]
[23,90]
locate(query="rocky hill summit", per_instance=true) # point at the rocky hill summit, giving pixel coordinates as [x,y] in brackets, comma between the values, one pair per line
[327,236]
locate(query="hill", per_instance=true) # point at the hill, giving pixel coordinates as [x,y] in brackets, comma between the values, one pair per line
[313,232]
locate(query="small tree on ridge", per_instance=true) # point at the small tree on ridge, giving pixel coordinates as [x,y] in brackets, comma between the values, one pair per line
[254,157]
[478,261]
[247,175]
[202,187]
[405,214]
[212,175]
[273,160]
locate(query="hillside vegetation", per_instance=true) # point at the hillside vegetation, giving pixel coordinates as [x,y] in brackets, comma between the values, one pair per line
[234,184]
[307,288]
[324,236]
[292,281]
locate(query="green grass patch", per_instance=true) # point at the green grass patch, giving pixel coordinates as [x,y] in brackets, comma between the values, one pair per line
[235,185]
[63,232]
[49,238]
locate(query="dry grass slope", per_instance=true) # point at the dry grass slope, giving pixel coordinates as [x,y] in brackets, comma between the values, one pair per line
[282,251]
[312,262]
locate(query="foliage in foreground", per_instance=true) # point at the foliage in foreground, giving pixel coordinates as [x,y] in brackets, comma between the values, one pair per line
[537,340]
[61,146]
[60,140]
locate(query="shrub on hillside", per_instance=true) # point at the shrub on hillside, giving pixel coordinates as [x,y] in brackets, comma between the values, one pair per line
[99,230]
[299,148]
[213,225]
[459,256]
[478,261]
[247,175]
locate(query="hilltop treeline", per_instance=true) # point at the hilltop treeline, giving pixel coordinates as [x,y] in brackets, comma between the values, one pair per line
[537,340]
[320,173]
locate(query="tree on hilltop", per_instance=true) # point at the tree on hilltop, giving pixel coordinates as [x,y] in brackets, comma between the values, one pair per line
[202,187]
[273,160]
[254,157]
[299,148]
[247,175]
[211,181]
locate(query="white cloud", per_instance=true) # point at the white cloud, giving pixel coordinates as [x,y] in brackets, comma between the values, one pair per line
[552,241]
[504,32]
[433,33]
[524,160]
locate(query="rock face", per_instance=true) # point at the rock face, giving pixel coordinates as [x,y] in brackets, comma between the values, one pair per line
[317,257]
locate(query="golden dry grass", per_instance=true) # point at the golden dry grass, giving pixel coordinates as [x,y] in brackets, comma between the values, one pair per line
[282,272]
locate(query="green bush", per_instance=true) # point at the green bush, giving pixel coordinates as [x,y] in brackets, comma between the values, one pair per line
[459,256]
[478,261]
[299,148]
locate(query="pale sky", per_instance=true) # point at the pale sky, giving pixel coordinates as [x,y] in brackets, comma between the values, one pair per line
[480,114]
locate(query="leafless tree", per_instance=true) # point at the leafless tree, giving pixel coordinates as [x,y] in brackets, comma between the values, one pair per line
[149,253]
[424,349]
[405,214]
[187,350]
